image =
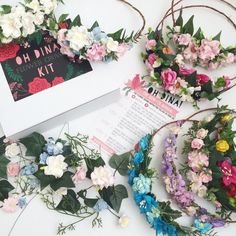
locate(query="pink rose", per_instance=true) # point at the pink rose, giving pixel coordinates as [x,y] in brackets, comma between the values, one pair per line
[136,83]
[197,160]
[202,79]
[209,49]
[150,44]
[80,174]
[10,205]
[186,71]
[202,133]
[230,58]
[205,177]
[184,39]
[152,58]
[96,53]
[197,143]
[169,78]
[227,81]
[13,169]
[122,49]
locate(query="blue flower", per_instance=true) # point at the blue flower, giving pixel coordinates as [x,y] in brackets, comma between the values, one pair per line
[100,205]
[22,202]
[132,174]
[155,213]
[54,148]
[138,158]
[43,158]
[97,34]
[144,142]
[141,184]
[29,169]
[162,227]
[145,202]
[202,227]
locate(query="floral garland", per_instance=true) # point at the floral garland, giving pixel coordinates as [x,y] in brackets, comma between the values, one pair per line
[55,169]
[159,215]
[81,43]
[24,19]
[177,188]
[211,162]
[166,62]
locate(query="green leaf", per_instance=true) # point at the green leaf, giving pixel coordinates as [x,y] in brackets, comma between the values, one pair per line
[52,24]
[77,21]
[3,166]
[90,202]
[10,72]
[62,18]
[167,213]
[38,37]
[2,145]
[217,37]
[6,9]
[207,87]
[69,203]
[44,180]
[120,163]
[34,144]
[117,35]
[192,79]
[179,21]
[5,188]
[188,27]
[113,196]
[64,181]
[95,24]
[199,34]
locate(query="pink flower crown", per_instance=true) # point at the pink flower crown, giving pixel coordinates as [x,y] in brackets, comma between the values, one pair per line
[167,62]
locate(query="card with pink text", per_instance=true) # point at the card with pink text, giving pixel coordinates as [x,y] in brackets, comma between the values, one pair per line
[37,65]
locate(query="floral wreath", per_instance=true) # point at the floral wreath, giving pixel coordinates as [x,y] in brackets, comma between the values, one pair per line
[81,43]
[166,62]
[24,19]
[55,169]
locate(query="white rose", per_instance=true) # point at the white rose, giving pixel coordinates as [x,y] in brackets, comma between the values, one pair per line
[55,166]
[124,221]
[179,59]
[7,40]
[78,37]
[112,45]
[18,10]
[11,26]
[28,24]
[39,18]
[102,177]
[190,90]
[48,5]
[34,5]
[12,150]
[202,191]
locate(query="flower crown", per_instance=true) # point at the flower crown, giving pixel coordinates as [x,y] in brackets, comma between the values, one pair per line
[210,150]
[54,170]
[93,44]
[166,62]
[24,19]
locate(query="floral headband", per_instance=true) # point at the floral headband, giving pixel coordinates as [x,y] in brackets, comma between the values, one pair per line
[55,170]
[24,19]
[81,43]
[166,62]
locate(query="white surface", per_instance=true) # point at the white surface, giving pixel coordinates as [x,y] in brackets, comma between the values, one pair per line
[37,220]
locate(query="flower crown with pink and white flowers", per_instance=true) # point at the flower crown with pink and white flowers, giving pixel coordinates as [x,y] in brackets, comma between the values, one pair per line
[93,44]
[167,61]
[57,171]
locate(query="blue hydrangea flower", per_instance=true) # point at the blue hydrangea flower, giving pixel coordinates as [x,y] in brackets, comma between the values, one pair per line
[141,184]
[144,142]
[43,158]
[202,227]
[22,202]
[100,205]
[98,35]
[132,174]
[145,202]
[29,169]
[155,213]
[162,227]
[53,148]
[138,158]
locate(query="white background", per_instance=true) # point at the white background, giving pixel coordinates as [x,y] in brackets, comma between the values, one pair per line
[37,219]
